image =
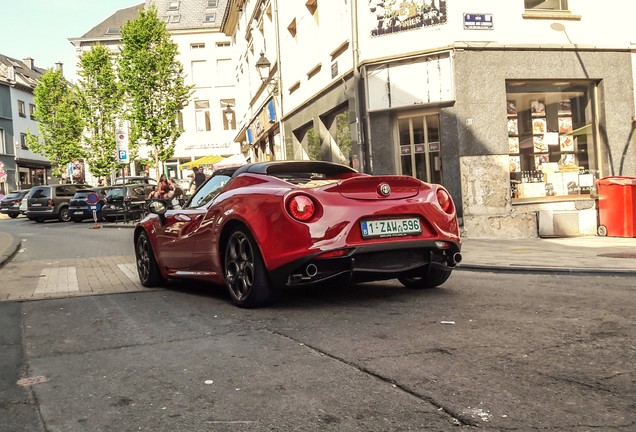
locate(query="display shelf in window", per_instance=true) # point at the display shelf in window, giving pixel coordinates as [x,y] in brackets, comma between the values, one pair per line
[513,145]
[537,107]
[565,125]
[539,144]
[566,143]
[512,107]
[515,164]
[539,125]
[565,108]
[540,160]
[513,126]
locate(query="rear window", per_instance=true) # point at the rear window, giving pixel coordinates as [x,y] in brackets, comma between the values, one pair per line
[13,195]
[41,192]
[115,194]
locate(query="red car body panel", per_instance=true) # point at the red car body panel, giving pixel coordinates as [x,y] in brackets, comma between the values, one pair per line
[189,242]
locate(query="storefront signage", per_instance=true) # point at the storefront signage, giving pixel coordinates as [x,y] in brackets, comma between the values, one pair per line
[478,21]
[204,146]
[394,17]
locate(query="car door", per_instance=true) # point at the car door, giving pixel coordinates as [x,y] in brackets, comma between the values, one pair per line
[179,236]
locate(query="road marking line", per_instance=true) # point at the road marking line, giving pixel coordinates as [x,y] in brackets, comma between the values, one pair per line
[130,271]
[57,279]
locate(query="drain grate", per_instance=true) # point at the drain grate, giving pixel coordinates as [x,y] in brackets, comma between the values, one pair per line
[618,255]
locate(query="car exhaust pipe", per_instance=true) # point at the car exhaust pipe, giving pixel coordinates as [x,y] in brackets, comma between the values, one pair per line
[457,258]
[311,270]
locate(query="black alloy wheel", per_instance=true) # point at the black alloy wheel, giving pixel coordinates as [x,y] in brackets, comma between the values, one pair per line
[146,263]
[64,215]
[245,274]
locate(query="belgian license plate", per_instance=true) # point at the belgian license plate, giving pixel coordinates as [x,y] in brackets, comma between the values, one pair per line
[78,212]
[390,227]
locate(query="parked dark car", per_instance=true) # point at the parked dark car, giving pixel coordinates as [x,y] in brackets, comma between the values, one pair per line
[80,209]
[135,180]
[10,205]
[52,201]
[126,202]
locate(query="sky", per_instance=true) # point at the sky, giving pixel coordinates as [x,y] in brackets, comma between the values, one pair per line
[40,29]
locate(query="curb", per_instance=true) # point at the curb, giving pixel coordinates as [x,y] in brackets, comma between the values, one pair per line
[545,270]
[13,248]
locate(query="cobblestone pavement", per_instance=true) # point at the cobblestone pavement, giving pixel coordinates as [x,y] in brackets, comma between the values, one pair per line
[69,277]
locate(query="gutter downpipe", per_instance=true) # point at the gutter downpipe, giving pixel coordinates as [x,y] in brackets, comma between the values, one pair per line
[278,94]
[362,157]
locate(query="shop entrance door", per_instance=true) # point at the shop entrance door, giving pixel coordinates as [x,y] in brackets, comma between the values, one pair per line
[420,147]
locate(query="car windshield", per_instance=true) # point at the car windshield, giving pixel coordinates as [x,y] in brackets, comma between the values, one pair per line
[209,190]
[116,194]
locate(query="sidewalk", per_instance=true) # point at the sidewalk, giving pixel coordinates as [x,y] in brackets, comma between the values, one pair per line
[581,255]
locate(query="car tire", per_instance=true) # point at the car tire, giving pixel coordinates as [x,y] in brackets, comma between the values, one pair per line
[147,268]
[13,216]
[64,215]
[39,220]
[245,273]
[433,278]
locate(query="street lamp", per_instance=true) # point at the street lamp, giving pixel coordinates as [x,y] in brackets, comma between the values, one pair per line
[264,67]
[228,113]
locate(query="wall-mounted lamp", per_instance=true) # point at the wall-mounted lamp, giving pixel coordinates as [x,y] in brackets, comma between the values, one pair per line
[263,66]
[228,113]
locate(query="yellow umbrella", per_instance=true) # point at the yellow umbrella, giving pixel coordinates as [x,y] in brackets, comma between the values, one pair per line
[206,161]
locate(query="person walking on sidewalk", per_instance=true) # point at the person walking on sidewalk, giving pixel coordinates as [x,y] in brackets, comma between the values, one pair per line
[198,179]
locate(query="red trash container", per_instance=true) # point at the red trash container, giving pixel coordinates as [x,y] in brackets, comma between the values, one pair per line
[617,206]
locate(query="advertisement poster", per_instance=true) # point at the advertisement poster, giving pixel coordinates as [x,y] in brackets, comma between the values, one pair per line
[394,16]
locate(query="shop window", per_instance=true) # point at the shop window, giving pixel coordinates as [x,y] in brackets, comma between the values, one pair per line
[339,138]
[419,146]
[3,148]
[202,115]
[547,5]
[308,146]
[21,109]
[551,144]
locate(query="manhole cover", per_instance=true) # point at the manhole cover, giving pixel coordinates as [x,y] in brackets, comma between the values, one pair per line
[618,255]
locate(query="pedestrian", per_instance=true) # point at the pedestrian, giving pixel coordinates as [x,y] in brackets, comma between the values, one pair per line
[176,194]
[198,179]
[164,186]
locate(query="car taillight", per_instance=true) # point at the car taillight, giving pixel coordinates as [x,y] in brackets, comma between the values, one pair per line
[18,201]
[301,207]
[444,201]
[50,203]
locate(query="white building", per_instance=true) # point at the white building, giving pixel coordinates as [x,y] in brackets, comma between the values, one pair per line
[516,106]
[207,56]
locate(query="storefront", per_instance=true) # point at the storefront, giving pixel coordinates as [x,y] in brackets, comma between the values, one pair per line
[263,135]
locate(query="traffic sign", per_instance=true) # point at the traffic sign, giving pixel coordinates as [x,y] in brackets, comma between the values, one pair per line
[122,156]
[92,198]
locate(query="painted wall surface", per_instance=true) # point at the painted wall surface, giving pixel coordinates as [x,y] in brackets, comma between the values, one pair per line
[317,53]
[421,25]
[207,68]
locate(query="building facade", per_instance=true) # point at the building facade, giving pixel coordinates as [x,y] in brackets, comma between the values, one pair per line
[517,107]
[208,59]
[20,167]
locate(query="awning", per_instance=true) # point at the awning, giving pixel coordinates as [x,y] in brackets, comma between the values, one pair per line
[204,162]
[232,161]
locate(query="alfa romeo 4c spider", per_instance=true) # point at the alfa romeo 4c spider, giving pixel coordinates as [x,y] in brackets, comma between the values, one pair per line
[265,227]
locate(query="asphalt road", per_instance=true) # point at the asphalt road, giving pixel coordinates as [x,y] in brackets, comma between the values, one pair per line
[485,352]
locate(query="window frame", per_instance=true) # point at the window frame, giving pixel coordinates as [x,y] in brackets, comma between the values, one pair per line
[21,108]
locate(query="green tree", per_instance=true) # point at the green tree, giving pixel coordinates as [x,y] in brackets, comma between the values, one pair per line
[101,99]
[59,120]
[153,83]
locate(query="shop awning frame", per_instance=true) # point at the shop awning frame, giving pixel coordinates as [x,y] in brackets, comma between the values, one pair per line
[204,162]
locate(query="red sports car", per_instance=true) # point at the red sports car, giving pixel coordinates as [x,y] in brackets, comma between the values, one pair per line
[265,226]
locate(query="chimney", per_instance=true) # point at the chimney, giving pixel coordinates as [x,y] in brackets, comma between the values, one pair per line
[59,66]
[29,62]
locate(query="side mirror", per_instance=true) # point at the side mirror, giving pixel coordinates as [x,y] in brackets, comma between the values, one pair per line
[157,207]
